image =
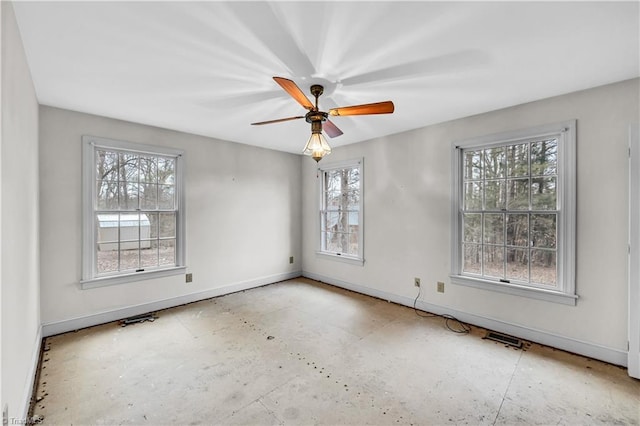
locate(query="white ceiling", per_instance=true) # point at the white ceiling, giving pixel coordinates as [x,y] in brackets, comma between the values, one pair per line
[206,67]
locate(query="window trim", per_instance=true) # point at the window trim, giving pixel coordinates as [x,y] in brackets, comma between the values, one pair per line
[566,225]
[89,146]
[354,260]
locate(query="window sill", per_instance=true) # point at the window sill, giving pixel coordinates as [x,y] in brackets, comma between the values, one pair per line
[341,258]
[131,277]
[518,290]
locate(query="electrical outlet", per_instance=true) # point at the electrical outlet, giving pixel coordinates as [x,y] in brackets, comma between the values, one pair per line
[290,259]
[189,278]
[440,287]
[416,282]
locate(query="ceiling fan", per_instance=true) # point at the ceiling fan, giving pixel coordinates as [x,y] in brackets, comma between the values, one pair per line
[317,147]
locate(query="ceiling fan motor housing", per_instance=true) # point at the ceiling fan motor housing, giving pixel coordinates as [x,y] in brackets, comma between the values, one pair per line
[316,117]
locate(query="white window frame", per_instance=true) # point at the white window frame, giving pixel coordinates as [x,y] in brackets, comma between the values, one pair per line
[90,144]
[347,164]
[566,222]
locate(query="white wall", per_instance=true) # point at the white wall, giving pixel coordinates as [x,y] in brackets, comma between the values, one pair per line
[243,216]
[19,222]
[407,217]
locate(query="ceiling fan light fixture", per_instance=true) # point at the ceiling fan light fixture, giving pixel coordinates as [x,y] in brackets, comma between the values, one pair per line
[317,147]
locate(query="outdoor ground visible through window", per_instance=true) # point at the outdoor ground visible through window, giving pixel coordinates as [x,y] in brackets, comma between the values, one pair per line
[149,258]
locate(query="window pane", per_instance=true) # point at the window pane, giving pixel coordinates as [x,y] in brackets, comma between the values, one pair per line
[343,221]
[331,221]
[129,259]
[107,258]
[473,196]
[544,157]
[518,230]
[106,180]
[518,160]
[166,197]
[353,178]
[332,200]
[130,229]
[493,228]
[518,264]
[107,243]
[543,193]
[543,230]
[333,244]
[167,252]
[148,196]
[472,165]
[472,227]
[494,261]
[166,171]
[518,194]
[106,195]
[354,220]
[332,181]
[153,224]
[494,163]
[129,196]
[343,242]
[353,199]
[543,267]
[167,225]
[106,165]
[107,227]
[148,254]
[148,169]
[495,197]
[472,258]
[129,165]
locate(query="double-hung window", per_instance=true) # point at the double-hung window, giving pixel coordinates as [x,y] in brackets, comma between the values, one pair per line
[341,211]
[133,216]
[514,212]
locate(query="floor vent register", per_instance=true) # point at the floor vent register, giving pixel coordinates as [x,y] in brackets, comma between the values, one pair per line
[503,338]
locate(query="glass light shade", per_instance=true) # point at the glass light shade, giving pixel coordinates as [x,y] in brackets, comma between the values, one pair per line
[317,147]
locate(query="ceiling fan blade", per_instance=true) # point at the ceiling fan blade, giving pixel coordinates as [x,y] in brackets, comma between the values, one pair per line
[279,120]
[292,89]
[364,109]
[331,129]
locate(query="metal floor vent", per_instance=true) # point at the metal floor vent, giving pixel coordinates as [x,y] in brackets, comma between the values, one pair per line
[503,338]
[137,318]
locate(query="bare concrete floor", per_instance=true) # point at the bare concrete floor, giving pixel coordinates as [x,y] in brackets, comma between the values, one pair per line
[301,353]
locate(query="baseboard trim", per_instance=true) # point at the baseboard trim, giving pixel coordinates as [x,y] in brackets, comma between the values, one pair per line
[59,327]
[29,388]
[591,350]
